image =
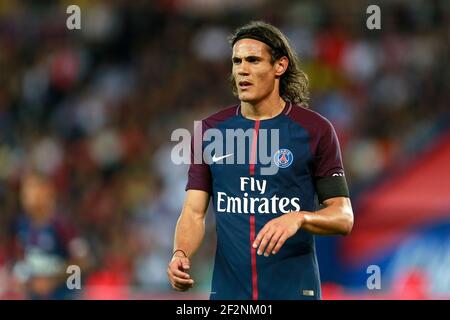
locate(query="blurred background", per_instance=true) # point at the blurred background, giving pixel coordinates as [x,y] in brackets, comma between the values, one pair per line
[86,117]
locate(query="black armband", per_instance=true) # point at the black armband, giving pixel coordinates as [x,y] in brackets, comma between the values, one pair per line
[330,187]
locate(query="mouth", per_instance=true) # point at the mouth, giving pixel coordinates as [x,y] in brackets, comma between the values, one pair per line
[244,85]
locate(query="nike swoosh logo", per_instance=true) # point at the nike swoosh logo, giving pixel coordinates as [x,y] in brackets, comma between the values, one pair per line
[215,159]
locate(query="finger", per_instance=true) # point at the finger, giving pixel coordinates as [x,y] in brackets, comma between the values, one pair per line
[181,281]
[185,263]
[260,236]
[175,284]
[265,241]
[180,263]
[172,271]
[280,243]
[272,243]
[182,287]
[179,287]
[180,274]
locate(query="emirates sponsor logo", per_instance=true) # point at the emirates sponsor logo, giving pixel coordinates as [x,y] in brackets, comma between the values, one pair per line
[252,205]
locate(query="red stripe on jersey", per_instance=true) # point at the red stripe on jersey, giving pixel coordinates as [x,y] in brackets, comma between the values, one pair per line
[252,217]
[253,152]
[253,254]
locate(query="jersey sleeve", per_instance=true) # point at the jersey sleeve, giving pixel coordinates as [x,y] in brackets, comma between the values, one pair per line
[328,169]
[199,174]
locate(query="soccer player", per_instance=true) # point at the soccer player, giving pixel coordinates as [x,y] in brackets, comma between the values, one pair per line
[265,223]
[44,242]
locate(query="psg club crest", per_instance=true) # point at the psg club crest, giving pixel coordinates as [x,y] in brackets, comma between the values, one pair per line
[283,158]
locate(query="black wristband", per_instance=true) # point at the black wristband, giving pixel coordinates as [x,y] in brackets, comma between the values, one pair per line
[180,251]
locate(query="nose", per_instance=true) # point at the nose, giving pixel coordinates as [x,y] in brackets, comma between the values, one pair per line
[243,69]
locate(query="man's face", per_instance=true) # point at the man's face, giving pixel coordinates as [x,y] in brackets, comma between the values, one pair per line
[253,70]
[38,197]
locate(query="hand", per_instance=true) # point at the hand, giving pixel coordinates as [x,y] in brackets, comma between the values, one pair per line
[273,235]
[176,272]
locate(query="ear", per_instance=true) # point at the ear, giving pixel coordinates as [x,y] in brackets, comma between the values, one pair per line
[281,66]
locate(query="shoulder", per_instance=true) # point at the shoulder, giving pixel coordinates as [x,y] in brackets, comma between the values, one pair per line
[310,120]
[222,115]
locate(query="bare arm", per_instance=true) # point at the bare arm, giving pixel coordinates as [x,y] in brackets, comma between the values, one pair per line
[189,234]
[335,219]
[190,228]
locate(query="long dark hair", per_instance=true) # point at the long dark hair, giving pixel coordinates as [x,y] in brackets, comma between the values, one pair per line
[294,82]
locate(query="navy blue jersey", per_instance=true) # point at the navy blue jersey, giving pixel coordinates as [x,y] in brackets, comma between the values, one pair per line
[245,200]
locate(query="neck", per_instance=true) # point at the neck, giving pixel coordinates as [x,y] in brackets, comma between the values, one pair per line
[265,109]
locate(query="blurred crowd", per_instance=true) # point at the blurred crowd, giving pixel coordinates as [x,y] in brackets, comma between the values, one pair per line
[86,115]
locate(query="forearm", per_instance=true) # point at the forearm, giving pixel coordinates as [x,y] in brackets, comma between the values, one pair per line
[332,220]
[189,233]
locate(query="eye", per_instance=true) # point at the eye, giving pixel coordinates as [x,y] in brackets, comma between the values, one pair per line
[253,59]
[236,60]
